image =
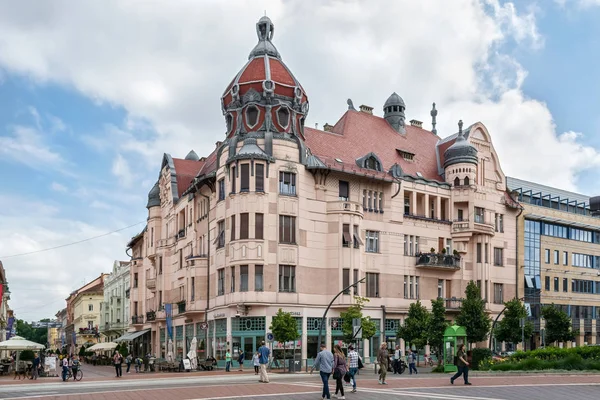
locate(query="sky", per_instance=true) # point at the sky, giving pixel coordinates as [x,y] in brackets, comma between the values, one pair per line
[93,93]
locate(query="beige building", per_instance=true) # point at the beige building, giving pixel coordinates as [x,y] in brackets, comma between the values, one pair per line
[280,215]
[115,308]
[84,308]
[559,257]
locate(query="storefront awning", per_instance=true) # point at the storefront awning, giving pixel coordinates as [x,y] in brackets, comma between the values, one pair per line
[129,336]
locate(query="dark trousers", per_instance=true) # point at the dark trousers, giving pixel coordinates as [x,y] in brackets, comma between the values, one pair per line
[227,366]
[128,366]
[353,372]
[118,370]
[411,368]
[256,369]
[325,380]
[464,371]
[65,372]
[339,386]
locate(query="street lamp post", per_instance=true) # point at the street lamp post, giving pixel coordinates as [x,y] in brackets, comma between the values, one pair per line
[329,306]
[496,321]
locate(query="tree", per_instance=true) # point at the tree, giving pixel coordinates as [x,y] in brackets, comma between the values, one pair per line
[28,332]
[355,311]
[509,328]
[558,324]
[437,326]
[415,328]
[284,328]
[472,315]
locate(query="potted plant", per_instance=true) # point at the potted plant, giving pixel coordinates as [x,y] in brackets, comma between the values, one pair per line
[455,252]
[432,250]
[443,250]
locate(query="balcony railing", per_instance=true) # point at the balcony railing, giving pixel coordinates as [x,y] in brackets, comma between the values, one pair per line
[150,316]
[438,261]
[151,283]
[88,331]
[344,206]
[137,320]
[453,303]
[426,218]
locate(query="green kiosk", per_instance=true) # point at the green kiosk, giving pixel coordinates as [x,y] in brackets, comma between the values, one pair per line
[453,337]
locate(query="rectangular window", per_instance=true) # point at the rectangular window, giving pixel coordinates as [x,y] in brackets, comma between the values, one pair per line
[486,253]
[501,222]
[245,178]
[498,256]
[243,278]
[372,238]
[232,280]
[221,189]
[547,256]
[410,286]
[406,286]
[410,245]
[356,238]
[221,234]
[547,283]
[417,249]
[565,284]
[356,291]
[556,257]
[221,282]
[364,199]
[260,178]
[346,238]
[193,289]
[565,258]
[287,229]
[244,221]
[416,287]
[380,202]
[233,179]
[375,201]
[498,293]
[344,191]
[406,245]
[160,265]
[407,205]
[135,279]
[90,307]
[372,284]
[556,283]
[287,278]
[232,228]
[478,252]
[479,215]
[346,280]
[258,278]
[287,183]
[460,215]
[258,226]
[440,292]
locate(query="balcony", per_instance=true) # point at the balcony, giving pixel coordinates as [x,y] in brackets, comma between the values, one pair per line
[438,261]
[453,304]
[137,320]
[88,331]
[166,242]
[151,283]
[344,207]
[150,316]
[478,226]
[426,218]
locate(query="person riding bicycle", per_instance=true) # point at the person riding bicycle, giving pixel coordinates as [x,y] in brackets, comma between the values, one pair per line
[75,365]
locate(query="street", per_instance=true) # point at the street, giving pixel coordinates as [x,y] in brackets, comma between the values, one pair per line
[305,387]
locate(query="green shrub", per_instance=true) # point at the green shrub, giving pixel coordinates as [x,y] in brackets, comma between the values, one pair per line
[478,355]
[438,369]
[26,355]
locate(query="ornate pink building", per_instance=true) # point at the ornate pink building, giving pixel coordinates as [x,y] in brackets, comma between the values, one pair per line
[280,215]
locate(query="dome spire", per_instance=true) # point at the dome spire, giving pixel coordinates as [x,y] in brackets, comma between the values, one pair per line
[265,30]
[433,114]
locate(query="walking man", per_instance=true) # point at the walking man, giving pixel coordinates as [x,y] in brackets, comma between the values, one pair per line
[118,360]
[65,368]
[412,359]
[383,360]
[35,365]
[353,364]
[324,362]
[227,361]
[128,361]
[263,359]
[462,364]
[241,360]
[396,362]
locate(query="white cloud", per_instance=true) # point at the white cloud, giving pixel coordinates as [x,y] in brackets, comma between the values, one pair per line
[121,169]
[57,187]
[25,145]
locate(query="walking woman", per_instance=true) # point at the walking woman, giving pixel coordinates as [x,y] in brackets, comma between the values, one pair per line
[463,366]
[339,370]
[383,360]
[256,362]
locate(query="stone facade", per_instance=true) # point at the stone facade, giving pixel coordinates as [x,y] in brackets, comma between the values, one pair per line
[284,216]
[114,320]
[84,307]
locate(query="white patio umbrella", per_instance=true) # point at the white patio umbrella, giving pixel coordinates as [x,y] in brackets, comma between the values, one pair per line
[193,354]
[18,343]
[103,346]
[170,356]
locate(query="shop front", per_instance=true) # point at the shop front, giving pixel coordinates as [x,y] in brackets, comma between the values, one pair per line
[312,337]
[220,340]
[247,333]
[375,341]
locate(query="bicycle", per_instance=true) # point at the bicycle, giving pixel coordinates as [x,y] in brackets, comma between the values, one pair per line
[78,375]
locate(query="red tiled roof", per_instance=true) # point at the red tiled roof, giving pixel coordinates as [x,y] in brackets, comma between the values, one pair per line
[255,71]
[279,73]
[186,171]
[357,134]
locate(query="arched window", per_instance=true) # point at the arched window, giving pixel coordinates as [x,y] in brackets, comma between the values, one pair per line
[229,121]
[252,116]
[283,117]
[467,181]
[456,181]
[372,163]
[302,125]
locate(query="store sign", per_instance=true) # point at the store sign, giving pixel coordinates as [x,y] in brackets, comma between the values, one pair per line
[219,315]
[295,313]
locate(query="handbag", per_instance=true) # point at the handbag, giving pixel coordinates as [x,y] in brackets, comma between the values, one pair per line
[347,377]
[336,374]
[360,364]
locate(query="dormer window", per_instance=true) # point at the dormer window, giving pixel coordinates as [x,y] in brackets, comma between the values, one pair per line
[406,155]
[371,163]
[283,117]
[229,121]
[252,116]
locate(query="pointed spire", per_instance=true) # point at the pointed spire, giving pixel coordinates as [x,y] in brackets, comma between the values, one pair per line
[265,29]
[460,125]
[433,114]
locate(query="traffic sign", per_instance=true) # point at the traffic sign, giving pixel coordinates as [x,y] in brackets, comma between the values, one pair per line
[357,332]
[270,337]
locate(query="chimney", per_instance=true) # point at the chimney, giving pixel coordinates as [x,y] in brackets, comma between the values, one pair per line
[316,125]
[327,127]
[366,109]
[202,159]
[416,123]
[218,144]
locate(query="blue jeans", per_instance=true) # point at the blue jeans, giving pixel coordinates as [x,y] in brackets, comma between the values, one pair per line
[353,372]
[65,372]
[325,380]
[464,371]
[411,368]
[227,366]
